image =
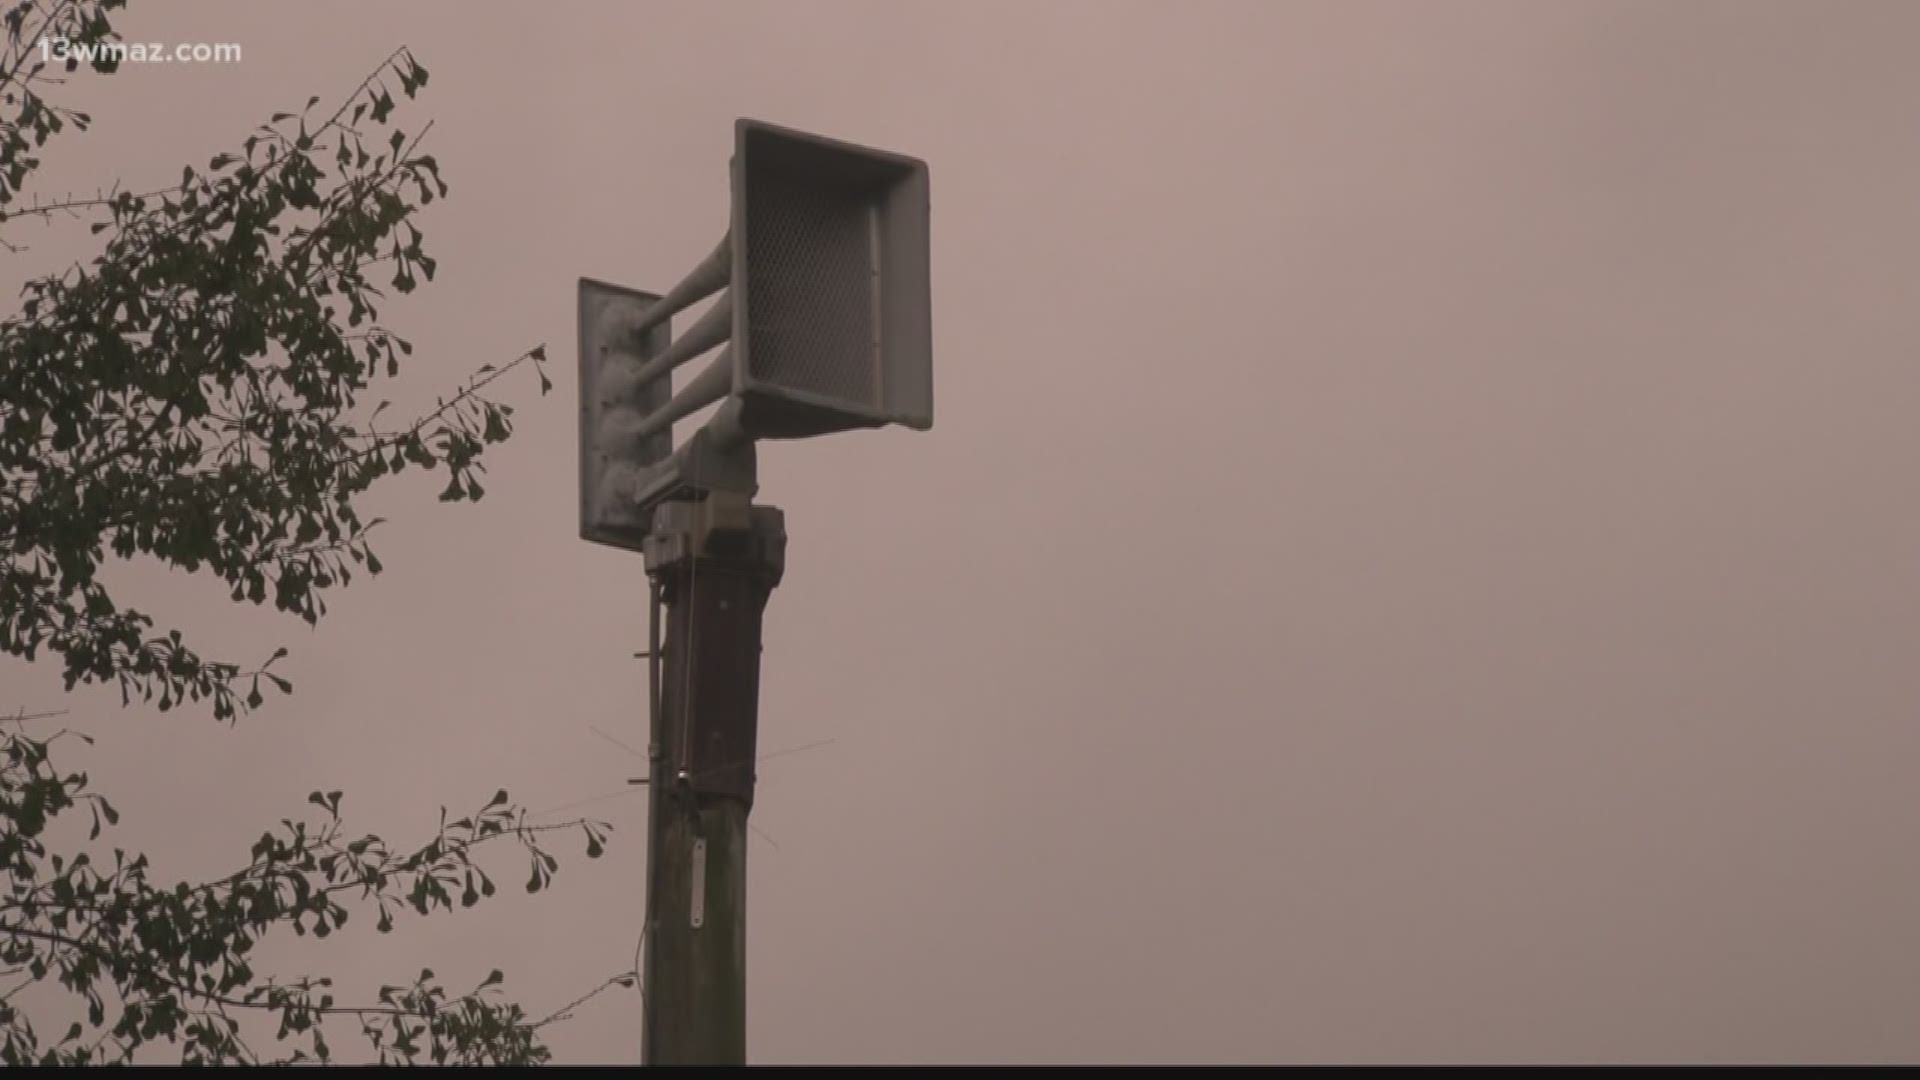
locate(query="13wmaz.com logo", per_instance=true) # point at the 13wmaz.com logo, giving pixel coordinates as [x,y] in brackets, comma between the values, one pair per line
[138,52]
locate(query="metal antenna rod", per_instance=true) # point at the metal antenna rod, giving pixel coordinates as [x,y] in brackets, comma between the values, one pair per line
[650,913]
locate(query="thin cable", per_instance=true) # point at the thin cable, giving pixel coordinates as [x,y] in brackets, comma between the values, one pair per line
[615,741]
[724,766]
[653,670]
[642,952]
[686,702]
[583,802]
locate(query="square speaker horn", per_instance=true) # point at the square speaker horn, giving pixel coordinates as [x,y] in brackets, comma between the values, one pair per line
[832,290]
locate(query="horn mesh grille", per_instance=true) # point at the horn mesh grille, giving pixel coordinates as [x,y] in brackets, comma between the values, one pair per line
[811,318]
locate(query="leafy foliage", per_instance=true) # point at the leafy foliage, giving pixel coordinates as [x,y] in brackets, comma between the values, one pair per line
[170,963]
[194,395]
[191,394]
[28,120]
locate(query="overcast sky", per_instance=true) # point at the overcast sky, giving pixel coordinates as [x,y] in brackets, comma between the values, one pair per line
[1418,557]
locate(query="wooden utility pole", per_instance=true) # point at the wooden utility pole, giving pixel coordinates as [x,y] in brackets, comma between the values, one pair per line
[822,323]
[713,563]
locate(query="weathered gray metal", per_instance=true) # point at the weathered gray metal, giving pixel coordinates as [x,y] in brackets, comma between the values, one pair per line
[614,401]
[823,322]
[832,285]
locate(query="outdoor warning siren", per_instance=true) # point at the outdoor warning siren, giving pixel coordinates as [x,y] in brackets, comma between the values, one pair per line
[823,324]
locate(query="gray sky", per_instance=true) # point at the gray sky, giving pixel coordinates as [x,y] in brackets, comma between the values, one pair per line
[1415,559]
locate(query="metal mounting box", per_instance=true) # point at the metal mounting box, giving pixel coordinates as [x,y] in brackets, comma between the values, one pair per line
[612,404]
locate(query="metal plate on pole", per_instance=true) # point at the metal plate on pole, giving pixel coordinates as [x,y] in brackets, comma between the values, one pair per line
[699,905]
